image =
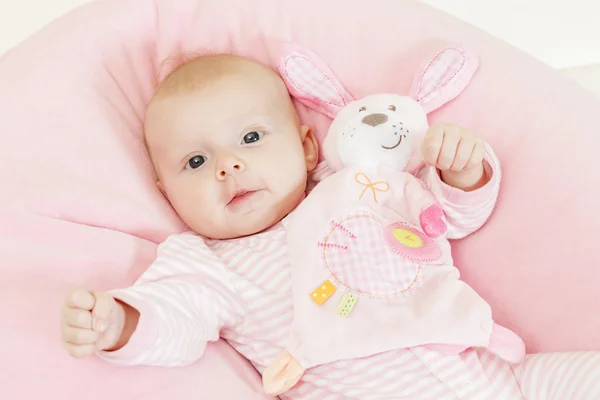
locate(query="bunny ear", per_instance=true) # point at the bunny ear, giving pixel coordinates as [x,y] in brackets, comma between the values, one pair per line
[444,77]
[310,81]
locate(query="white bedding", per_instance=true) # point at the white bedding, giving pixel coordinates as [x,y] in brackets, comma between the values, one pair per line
[563,34]
[588,76]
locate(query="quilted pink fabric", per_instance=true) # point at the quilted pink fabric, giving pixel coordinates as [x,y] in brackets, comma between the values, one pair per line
[78,205]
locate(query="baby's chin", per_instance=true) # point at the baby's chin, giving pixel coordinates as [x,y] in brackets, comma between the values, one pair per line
[234,225]
[239,226]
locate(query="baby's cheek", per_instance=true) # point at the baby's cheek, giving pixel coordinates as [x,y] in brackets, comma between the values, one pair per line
[292,180]
[192,203]
[206,222]
[190,213]
[287,183]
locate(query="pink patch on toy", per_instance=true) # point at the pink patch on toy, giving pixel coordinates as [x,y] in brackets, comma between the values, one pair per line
[432,221]
[411,243]
[355,255]
[310,81]
[444,77]
[440,71]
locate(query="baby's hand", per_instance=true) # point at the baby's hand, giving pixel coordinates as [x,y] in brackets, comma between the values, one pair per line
[457,153]
[91,322]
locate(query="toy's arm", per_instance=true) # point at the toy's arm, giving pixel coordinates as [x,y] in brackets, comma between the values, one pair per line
[465,212]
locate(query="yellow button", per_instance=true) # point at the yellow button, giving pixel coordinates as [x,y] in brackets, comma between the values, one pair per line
[407,238]
[323,292]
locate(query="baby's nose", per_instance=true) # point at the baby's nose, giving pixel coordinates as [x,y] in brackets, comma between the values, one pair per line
[230,167]
[375,119]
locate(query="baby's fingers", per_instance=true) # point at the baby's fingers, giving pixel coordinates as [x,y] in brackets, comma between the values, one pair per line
[477,156]
[432,144]
[80,298]
[452,139]
[77,318]
[80,351]
[79,336]
[463,154]
[102,310]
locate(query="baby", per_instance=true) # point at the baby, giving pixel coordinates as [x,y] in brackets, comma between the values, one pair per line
[234,161]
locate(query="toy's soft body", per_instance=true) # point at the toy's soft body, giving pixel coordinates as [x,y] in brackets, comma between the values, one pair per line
[371,262]
[368,278]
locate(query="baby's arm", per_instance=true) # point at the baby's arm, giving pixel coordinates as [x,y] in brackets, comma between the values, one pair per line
[182,302]
[463,173]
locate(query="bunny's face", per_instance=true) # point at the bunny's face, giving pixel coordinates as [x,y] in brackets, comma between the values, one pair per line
[382,129]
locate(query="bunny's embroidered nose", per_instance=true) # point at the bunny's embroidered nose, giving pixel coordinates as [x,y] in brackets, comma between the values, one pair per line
[375,119]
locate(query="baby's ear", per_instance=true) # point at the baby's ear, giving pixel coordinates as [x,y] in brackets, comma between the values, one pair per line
[310,81]
[311,147]
[443,77]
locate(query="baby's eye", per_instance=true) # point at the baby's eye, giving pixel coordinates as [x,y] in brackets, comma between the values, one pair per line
[252,137]
[195,162]
[392,107]
[363,108]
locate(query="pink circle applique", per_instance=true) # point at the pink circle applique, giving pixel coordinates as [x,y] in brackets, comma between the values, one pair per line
[357,256]
[411,243]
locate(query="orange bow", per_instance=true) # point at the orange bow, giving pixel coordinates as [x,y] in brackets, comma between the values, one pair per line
[364,180]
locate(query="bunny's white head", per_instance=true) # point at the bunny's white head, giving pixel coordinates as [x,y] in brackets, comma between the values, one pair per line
[381,129]
[385,128]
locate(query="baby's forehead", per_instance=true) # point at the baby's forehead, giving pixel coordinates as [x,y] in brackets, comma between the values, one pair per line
[206,70]
[195,73]
[258,90]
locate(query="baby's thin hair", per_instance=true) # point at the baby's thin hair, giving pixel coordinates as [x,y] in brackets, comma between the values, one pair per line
[187,72]
[176,60]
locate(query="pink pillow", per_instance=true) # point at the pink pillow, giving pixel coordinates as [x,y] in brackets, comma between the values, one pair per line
[79,207]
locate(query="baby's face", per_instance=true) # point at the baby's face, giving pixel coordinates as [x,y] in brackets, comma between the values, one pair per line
[231,157]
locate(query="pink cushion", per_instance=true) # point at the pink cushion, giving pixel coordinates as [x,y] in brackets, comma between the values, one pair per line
[79,205]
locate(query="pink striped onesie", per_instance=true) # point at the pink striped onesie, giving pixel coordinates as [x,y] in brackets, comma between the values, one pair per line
[198,290]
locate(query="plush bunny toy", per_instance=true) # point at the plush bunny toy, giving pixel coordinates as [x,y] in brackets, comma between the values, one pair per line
[371,262]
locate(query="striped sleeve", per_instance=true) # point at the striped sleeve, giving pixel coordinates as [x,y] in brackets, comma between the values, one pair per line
[465,212]
[185,299]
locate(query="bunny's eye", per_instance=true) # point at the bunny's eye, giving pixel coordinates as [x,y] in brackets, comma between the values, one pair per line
[362,109]
[392,107]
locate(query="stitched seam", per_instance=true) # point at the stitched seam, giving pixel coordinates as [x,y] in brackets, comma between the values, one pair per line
[289,59]
[420,86]
[339,282]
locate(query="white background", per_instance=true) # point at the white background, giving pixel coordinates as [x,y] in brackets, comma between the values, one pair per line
[565,34]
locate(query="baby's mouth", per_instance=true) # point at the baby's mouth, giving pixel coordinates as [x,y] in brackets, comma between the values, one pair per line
[242,196]
[394,146]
